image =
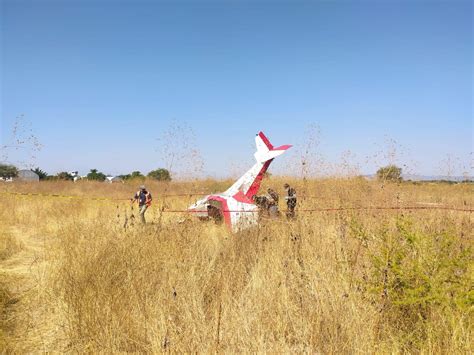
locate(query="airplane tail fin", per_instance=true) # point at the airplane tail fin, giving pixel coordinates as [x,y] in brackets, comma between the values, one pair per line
[265,150]
[249,183]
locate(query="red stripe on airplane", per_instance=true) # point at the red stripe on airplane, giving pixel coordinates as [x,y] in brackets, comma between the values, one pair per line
[224,210]
[240,197]
[253,189]
[265,140]
[283,147]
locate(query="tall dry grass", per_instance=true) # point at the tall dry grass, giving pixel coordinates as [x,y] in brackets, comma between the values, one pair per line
[358,281]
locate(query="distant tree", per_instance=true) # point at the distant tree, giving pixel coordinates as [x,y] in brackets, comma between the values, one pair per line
[160,174]
[63,175]
[96,175]
[136,175]
[132,176]
[390,173]
[8,171]
[43,175]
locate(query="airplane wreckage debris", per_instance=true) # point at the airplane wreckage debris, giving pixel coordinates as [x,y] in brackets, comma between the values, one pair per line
[236,205]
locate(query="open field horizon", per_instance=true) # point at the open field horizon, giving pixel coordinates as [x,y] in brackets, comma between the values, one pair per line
[80,275]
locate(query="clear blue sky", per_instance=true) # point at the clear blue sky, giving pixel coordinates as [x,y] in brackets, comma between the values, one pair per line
[100,81]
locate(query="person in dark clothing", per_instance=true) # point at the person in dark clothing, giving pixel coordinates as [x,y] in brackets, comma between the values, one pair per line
[290,201]
[143,198]
[273,196]
[261,202]
[272,206]
[214,212]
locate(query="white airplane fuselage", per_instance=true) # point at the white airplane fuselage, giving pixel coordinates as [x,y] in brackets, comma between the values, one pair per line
[236,204]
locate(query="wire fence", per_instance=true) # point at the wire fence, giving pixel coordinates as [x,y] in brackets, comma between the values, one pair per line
[300,210]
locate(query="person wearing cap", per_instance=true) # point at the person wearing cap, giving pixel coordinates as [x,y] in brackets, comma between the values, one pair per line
[143,198]
[290,200]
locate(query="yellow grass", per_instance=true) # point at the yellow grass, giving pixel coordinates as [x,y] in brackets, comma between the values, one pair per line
[75,279]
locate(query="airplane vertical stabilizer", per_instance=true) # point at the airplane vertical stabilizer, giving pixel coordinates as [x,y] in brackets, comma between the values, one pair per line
[249,183]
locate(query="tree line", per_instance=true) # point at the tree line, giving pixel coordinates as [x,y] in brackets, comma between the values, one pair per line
[390,173]
[160,174]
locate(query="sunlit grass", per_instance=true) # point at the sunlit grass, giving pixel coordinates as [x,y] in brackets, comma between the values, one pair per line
[330,282]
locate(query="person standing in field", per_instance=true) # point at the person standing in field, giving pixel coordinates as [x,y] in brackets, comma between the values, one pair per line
[290,200]
[272,205]
[261,202]
[143,197]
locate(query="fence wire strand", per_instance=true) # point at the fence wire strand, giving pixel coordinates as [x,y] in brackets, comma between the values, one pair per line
[304,210]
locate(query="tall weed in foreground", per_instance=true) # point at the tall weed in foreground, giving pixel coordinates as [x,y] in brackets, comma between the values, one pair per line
[420,277]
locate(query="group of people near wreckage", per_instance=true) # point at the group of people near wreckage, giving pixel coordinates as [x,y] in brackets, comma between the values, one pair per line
[268,203]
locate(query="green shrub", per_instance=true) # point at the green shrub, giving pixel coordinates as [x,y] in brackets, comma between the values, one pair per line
[418,276]
[390,173]
[43,175]
[8,171]
[134,176]
[160,174]
[96,175]
[63,176]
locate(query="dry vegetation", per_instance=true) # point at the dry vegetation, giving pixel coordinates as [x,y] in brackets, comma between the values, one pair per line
[73,278]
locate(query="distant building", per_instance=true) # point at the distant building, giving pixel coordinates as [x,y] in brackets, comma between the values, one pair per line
[112,179]
[75,175]
[27,175]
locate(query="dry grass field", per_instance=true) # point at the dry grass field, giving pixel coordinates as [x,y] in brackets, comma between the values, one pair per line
[79,275]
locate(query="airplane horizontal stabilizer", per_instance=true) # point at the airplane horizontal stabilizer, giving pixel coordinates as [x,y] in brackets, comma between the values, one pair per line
[265,150]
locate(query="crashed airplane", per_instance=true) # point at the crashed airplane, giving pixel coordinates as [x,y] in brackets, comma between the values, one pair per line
[236,206]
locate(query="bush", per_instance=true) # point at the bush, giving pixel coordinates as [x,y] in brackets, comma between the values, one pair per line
[160,174]
[135,175]
[390,173]
[96,175]
[43,175]
[417,277]
[63,176]
[8,171]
